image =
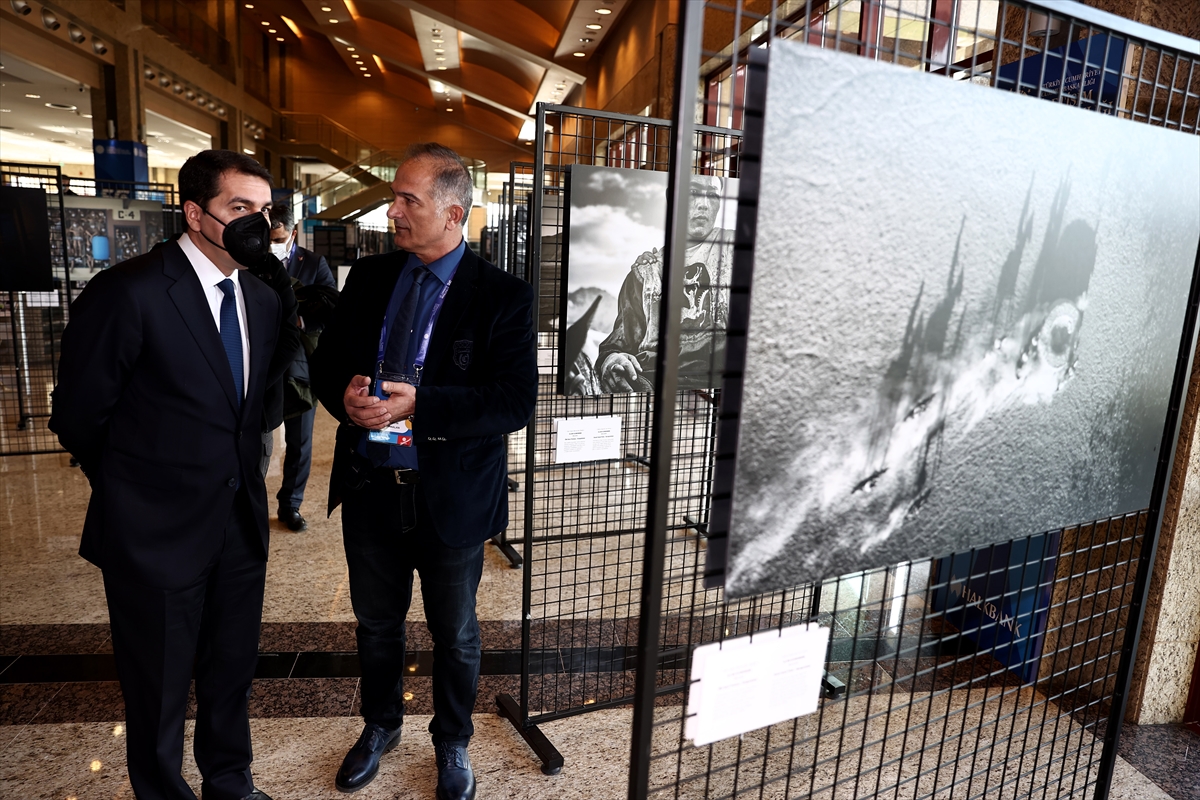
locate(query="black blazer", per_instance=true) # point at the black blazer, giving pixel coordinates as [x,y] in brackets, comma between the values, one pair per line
[146,403]
[479,383]
[310,269]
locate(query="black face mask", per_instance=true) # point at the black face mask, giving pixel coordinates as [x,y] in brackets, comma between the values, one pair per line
[247,239]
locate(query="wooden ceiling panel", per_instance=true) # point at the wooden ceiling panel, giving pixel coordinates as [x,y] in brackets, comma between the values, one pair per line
[473,61]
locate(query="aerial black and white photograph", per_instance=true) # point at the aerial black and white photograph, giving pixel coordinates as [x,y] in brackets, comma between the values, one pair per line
[616,227]
[965,314]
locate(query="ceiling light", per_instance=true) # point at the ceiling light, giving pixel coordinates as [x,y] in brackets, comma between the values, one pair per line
[334,21]
[49,20]
[437,40]
[98,46]
[247,151]
[579,55]
[279,38]
[436,31]
[264,22]
[5,110]
[440,58]
[76,33]
[604,11]
[249,5]
[441,67]
[165,80]
[326,8]
[62,106]
[595,26]
[585,40]
[85,116]
[438,50]
[34,96]
[366,74]
[21,7]
[449,109]
[177,88]
[272,30]
[349,49]
[364,69]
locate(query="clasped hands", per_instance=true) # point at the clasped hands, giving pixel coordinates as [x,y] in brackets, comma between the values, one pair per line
[368,411]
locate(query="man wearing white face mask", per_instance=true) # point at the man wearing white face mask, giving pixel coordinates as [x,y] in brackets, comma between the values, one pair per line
[316,292]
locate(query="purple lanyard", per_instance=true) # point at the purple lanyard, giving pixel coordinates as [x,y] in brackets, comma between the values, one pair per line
[423,346]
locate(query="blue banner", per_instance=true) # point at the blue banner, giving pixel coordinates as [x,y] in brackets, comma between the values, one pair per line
[999,598]
[119,160]
[1091,69]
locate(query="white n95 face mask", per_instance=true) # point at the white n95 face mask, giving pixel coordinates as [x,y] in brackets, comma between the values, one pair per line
[280,251]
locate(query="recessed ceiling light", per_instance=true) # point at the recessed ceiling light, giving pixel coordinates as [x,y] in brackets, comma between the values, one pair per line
[604,11]
[34,96]
[585,40]
[364,69]
[349,49]
[441,67]
[440,58]
[436,31]
[9,110]
[449,109]
[249,5]
[272,30]
[85,116]
[579,55]
[326,8]
[438,50]
[595,26]
[264,22]
[334,21]
[366,74]
[279,38]
[62,106]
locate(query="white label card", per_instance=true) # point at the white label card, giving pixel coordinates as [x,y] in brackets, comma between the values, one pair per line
[586,439]
[748,683]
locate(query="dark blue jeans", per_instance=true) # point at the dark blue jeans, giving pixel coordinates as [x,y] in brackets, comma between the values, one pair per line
[388,535]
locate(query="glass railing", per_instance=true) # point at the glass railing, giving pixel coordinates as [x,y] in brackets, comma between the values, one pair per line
[320,130]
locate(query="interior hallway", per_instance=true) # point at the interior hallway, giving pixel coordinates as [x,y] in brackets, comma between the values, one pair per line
[61,711]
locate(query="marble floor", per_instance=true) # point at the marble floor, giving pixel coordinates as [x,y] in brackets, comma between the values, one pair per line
[61,711]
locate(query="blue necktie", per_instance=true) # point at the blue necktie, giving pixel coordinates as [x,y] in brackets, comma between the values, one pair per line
[395,355]
[231,335]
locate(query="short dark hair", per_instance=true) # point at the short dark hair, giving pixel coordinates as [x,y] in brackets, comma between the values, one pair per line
[200,175]
[281,215]
[451,180]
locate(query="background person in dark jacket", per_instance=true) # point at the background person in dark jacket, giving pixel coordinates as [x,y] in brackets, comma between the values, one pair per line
[316,292]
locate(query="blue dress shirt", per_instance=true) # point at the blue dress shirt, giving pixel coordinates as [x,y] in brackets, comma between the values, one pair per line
[443,270]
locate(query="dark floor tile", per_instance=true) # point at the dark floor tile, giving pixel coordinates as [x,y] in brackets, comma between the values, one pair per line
[21,703]
[1169,755]
[19,640]
[303,697]
[5,663]
[280,637]
[275,665]
[326,665]
[61,668]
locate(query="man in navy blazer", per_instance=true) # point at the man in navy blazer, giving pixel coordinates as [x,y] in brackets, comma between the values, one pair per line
[466,347]
[310,269]
[159,398]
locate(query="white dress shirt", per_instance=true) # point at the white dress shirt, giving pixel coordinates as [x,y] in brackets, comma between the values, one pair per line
[209,277]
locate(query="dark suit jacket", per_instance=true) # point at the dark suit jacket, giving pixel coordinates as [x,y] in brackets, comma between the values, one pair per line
[311,270]
[479,383]
[146,402]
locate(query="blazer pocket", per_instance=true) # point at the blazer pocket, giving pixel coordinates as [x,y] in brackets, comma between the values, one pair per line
[481,456]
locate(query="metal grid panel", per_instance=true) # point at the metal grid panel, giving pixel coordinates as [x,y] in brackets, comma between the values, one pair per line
[928,711]
[584,523]
[31,323]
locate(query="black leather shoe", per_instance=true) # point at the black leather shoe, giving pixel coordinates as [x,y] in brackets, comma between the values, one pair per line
[361,764]
[456,781]
[257,794]
[291,517]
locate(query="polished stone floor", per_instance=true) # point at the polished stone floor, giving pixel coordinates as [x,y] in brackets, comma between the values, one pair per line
[61,733]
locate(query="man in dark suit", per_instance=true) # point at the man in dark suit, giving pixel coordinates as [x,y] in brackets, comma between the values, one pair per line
[160,400]
[429,360]
[310,270]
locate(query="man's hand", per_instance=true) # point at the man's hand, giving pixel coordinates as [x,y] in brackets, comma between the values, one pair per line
[402,399]
[365,409]
[620,373]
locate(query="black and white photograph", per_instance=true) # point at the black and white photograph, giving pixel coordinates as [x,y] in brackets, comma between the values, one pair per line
[616,228]
[965,314]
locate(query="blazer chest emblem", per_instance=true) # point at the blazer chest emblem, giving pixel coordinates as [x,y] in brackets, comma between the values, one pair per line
[462,353]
